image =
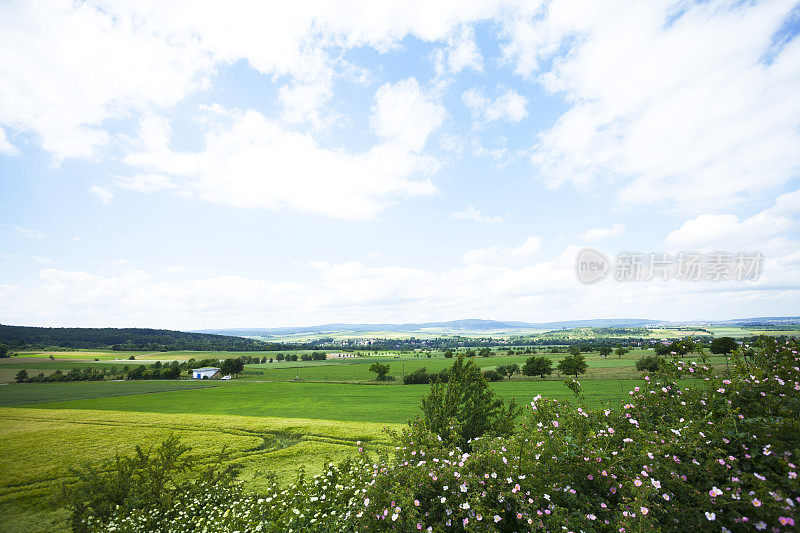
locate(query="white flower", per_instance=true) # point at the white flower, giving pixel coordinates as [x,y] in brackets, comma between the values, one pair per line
[711,516]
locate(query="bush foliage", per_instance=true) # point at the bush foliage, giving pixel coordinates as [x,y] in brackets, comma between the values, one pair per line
[648,363]
[148,482]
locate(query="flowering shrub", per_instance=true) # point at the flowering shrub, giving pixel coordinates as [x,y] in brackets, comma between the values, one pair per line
[719,454]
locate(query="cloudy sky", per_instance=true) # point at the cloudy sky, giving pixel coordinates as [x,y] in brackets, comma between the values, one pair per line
[183,165]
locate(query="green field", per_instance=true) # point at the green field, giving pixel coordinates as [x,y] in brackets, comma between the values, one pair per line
[79,354]
[358,369]
[322,401]
[749,331]
[29,393]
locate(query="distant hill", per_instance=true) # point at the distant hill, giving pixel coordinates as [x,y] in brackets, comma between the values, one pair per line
[491,326]
[127,339]
[759,321]
[454,326]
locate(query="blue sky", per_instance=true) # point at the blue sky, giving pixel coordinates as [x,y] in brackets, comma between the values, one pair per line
[185,166]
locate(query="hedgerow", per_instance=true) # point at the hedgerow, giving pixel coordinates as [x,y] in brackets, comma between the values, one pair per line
[717,453]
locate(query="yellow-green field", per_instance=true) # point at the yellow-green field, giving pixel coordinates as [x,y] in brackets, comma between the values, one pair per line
[39,445]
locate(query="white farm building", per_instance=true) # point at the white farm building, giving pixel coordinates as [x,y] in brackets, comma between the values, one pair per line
[204,373]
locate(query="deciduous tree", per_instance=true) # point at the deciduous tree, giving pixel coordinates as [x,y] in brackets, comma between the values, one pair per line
[573,365]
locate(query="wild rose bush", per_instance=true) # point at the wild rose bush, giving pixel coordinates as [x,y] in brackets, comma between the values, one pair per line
[719,454]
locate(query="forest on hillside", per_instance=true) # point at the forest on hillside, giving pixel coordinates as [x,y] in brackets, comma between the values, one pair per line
[127,339]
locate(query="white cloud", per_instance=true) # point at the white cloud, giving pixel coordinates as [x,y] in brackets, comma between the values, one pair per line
[461,53]
[310,89]
[786,204]
[669,102]
[353,292]
[28,233]
[472,213]
[252,162]
[36,258]
[503,254]
[103,195]
[5,145]
[596,234]
[144,182]
[508,106]
[404,113]
[728,232]
[67,67]
[496,150]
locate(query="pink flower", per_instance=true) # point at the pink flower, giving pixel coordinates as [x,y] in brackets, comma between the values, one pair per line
[756,503]
[645,510]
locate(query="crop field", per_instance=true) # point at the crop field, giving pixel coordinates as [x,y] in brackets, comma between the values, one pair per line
[108,355]
[103,355]
[749,331]
[40,445]
[29,393]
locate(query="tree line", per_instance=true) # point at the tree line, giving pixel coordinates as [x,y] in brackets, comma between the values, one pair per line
[128,339]
[139,372]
